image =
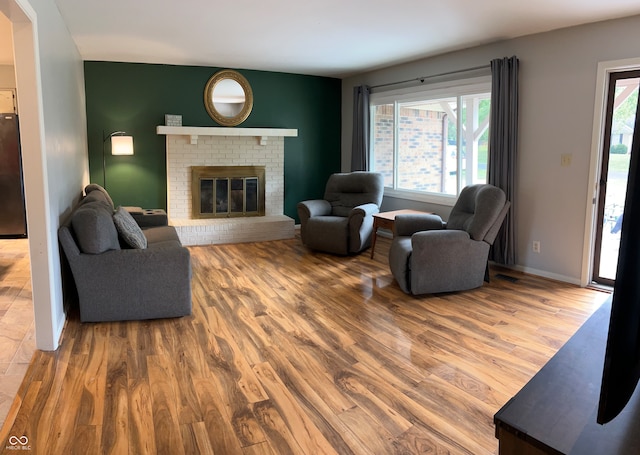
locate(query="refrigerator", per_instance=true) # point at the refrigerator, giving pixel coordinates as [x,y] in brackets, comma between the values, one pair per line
[13,219]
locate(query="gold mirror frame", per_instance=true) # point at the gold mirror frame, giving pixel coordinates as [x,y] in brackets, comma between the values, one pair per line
[208,98]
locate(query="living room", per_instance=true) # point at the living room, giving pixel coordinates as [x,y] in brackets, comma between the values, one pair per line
[540,186]
[558,89]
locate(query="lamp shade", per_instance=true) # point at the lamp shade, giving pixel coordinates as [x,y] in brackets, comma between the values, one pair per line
[122,145]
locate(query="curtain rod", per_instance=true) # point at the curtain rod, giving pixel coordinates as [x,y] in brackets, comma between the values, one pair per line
[422,79]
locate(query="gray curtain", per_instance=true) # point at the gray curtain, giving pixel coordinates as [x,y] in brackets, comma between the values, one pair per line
[360,140]
[503,145]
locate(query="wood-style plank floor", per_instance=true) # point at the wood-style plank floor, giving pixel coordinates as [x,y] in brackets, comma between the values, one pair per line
[294,352]
[17,331]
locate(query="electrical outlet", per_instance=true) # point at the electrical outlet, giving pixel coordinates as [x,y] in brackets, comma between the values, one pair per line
[536,246]
[565,159]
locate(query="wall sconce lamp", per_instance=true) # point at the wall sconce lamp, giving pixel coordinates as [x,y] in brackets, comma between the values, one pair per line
[121,144]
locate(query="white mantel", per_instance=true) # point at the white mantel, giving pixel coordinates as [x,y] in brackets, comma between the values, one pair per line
[194,131]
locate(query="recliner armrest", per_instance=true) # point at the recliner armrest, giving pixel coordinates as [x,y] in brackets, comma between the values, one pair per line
[436,241]
[315,207]
[409,224]
[364,210]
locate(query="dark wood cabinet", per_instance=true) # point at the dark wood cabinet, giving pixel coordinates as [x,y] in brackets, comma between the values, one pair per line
[555,413]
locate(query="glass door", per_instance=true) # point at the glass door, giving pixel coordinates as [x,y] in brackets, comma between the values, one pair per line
[622,102]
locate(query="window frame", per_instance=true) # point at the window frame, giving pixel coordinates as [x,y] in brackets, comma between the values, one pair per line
[435,91]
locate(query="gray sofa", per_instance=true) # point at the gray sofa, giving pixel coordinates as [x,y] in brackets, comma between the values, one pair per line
[115,280]
[342,222]
[428,255]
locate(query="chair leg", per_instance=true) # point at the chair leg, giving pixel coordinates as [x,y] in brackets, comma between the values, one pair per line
[486,273]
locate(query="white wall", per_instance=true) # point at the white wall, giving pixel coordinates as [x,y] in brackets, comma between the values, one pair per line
[7,76]
[50,82]
[557,89]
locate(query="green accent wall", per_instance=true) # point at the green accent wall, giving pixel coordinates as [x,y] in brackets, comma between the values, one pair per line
[134,97]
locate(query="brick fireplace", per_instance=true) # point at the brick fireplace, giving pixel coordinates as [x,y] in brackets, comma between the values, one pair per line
[189,147]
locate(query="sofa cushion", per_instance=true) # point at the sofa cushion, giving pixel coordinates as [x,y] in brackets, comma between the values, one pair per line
[129,229]
[95,187]
[94,229]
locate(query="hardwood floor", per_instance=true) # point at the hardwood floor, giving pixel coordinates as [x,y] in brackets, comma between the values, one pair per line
[17,333]
[294,352]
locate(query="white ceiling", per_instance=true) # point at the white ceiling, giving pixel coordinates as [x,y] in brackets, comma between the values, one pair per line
[326,38]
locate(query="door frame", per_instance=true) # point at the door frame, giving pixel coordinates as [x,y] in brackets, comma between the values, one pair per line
[49,323]
[595,163]
[605,157]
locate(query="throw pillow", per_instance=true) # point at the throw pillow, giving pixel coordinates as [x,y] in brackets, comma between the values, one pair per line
[129,229]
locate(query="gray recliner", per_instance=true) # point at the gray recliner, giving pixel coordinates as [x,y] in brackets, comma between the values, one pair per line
[342,222]
[428,255]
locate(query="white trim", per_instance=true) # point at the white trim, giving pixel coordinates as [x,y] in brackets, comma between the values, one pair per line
[544,274]
[595,163]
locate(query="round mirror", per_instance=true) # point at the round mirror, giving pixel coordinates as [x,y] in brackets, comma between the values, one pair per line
[228,98]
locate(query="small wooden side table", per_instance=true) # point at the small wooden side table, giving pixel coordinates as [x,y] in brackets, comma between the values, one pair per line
[387,220]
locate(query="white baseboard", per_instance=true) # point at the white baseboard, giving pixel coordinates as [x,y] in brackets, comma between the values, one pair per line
[543,274]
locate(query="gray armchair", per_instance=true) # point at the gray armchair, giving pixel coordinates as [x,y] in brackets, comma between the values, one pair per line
[428,255]
[342,222]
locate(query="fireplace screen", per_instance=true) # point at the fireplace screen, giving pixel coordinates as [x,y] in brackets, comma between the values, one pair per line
[225,191]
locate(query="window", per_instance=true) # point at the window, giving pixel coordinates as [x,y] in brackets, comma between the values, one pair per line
[429,144]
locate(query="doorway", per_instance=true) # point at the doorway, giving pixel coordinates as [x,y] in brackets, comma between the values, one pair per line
[620,113]
[17,344]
